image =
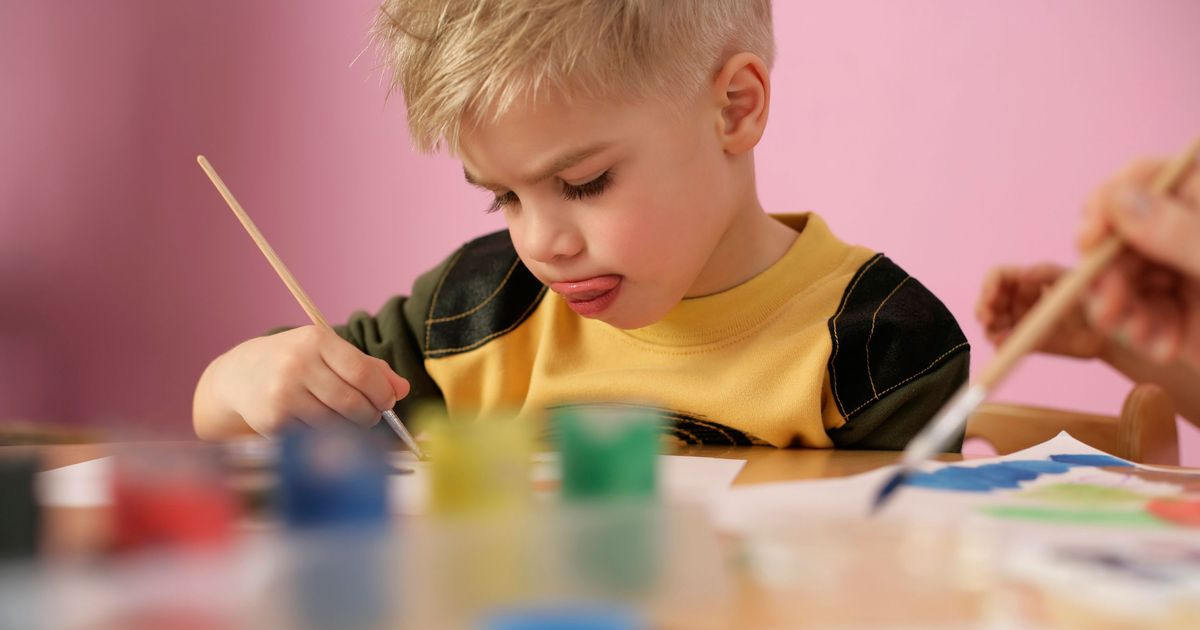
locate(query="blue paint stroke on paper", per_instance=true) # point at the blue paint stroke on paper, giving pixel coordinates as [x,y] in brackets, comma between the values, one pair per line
[1040,466]
[1000,475]
[1090,460]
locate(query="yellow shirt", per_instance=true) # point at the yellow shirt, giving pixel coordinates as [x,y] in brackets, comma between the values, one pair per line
[831,345]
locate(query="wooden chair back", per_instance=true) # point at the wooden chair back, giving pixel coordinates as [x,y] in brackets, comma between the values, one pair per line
[1145,431]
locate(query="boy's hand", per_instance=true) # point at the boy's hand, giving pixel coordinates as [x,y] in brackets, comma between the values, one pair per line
[1150,297]
[1007,295]
[307,374]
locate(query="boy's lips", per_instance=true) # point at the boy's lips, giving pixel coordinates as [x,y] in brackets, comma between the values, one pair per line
[590,295]
[586,289]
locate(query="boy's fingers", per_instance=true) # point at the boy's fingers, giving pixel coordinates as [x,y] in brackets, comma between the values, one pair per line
[1027,291]
[343,398]
[316,414]
[985,306]
[996,295]
[359,371]
[1002,322]
[400,386]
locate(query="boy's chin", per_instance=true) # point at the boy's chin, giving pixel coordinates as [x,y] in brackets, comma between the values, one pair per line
[626,320]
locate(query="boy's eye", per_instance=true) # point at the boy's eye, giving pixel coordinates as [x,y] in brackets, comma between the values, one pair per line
[502,200]
[590,189]
[570,192]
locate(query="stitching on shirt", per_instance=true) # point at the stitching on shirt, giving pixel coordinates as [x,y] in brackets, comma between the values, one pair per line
[485,302]
[520,320]
[871,334]
[719,428]
[918,374]
[436,291]
[687,434]
[833,357]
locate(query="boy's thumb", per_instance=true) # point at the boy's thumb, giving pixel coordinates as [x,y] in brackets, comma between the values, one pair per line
[399,383]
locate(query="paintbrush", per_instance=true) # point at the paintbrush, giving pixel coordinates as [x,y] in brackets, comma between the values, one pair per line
[1030,332]
[305,303]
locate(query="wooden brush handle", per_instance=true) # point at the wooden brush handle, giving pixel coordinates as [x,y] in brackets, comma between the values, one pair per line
[265,247]
[305,303]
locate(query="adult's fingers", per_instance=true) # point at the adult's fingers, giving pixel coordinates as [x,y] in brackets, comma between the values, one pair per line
[1161,228]
[1096,224]
[1189,345]
[1108,303]
[990,296]
[1154,325]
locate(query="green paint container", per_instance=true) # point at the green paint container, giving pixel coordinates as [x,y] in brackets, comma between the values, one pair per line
[608,452]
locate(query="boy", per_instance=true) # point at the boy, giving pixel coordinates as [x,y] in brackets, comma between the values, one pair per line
[617,137]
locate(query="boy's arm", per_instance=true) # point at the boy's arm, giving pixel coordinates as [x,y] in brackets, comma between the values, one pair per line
[211,418]
[396,334]
[898,355]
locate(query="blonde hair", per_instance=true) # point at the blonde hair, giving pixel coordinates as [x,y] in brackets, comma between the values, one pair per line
[458,61]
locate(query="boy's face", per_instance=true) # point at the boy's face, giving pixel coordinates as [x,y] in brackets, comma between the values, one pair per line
[618,208]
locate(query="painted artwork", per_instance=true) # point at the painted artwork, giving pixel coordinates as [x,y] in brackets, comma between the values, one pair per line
[1049,519]
[1076,488]
[1059,482]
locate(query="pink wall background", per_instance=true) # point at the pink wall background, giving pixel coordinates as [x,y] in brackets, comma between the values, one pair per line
[952,135]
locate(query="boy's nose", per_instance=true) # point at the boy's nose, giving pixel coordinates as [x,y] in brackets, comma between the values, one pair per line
[549,239]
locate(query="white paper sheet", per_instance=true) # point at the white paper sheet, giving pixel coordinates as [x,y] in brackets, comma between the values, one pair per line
[86,484]
[750,508]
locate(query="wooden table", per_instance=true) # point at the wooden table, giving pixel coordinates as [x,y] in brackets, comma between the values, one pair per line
[763,464]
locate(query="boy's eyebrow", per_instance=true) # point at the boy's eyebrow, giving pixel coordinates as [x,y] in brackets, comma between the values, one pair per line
[562,163]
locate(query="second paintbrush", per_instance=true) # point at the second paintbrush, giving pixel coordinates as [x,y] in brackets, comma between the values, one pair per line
[948,423]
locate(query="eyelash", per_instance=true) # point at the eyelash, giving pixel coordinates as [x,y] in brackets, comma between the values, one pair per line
[593,188]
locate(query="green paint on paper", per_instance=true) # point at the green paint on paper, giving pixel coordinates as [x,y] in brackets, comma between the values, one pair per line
[1083,494]
[1075,516]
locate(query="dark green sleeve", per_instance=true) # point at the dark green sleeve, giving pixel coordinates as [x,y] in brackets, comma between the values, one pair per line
[893,420]
[396,334]
[897,356]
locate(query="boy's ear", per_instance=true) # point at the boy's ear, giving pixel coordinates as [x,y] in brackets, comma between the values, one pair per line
[742,91]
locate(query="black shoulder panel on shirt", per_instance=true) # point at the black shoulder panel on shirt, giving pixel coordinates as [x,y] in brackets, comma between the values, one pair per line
[888,331]
[484,292]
